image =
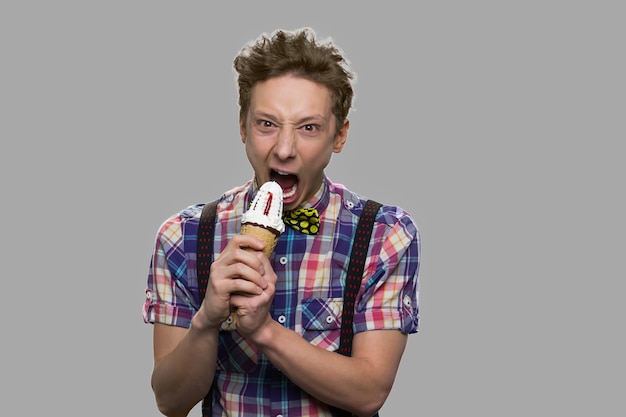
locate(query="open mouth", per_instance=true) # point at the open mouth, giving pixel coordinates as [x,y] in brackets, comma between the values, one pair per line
[288,182]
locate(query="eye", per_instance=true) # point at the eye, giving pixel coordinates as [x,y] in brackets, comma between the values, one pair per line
[264,126]
[264,123]
[311,128]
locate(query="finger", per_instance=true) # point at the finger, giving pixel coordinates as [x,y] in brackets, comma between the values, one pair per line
[241,265]
[247,242]
[244,287]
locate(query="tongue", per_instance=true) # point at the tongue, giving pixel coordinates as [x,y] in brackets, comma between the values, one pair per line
[286,182]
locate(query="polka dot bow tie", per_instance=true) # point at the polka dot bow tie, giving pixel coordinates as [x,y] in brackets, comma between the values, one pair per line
[305,220]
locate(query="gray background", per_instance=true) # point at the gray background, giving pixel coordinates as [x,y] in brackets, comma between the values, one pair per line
[498,125]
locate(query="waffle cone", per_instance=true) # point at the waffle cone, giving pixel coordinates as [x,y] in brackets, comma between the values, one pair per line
[267,236]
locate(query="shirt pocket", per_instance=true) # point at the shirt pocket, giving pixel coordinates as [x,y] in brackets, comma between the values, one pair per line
[321,322]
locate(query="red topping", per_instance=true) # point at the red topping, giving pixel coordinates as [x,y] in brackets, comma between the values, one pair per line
[268,204]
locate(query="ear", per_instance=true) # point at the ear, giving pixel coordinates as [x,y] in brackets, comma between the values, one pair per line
[341,137]
[242,129]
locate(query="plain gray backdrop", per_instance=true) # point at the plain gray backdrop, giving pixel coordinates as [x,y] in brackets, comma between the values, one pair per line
[498,125]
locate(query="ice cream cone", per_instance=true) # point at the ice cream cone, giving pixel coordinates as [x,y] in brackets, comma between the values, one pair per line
[264,218]
[268,237]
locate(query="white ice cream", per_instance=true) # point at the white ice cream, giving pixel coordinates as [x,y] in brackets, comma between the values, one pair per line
[267,207]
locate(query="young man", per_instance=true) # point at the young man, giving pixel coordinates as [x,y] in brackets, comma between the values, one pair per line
[278,355]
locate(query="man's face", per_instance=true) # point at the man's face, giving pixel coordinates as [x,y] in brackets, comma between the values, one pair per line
[290,136]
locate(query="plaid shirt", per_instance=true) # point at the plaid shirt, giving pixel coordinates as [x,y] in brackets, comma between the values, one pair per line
[308,298]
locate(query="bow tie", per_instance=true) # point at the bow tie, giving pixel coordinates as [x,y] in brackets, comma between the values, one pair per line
[305,220]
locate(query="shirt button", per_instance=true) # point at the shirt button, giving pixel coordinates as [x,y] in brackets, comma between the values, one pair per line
[407,301]
[350,204]
[229,320]
[148,294]
[283,260]
[282,319]
[329,319]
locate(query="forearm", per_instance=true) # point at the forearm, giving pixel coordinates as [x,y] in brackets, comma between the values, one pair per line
[355,384]
[184,376]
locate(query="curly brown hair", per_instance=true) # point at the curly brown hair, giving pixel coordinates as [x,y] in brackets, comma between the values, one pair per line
[299,53]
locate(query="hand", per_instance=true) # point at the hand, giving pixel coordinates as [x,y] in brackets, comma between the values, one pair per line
[252,310]
[236,272]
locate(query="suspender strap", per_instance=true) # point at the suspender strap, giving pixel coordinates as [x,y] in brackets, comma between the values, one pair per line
[204,258]
[355,273]
[204,248]
[353,282]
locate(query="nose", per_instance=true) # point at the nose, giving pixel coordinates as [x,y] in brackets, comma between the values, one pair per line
[286,144]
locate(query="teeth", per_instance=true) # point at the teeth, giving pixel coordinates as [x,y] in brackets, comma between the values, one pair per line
[291,192]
